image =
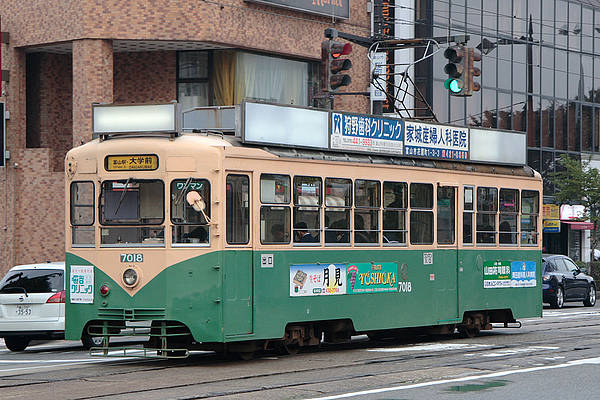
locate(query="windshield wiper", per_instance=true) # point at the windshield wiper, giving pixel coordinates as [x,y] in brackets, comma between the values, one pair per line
[187,183]
[8,289]
[123,195]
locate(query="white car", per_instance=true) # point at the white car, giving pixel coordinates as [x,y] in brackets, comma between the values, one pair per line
[32,305]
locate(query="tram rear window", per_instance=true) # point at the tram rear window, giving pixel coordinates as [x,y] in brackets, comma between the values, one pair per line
[132,202]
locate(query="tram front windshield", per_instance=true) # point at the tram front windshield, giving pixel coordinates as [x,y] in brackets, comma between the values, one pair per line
[138,204]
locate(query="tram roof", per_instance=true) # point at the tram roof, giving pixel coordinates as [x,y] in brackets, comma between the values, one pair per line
[310,134]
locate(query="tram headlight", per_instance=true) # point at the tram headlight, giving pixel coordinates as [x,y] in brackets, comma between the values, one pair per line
[130,277]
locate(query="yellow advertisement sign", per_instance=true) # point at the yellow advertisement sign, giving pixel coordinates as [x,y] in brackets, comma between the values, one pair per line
[552,225]
[135,162]
[551,211]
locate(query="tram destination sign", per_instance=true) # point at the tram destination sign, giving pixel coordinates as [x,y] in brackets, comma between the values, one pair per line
[355,132]
[330,8]
[132,162]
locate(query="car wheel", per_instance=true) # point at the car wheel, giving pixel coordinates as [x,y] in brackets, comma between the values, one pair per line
[89,341]
[559,298]
[590,301]
[16,343]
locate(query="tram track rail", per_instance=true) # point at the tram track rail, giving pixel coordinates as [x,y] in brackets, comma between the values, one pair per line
[395,363]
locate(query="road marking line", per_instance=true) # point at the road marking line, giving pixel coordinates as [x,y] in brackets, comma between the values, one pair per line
[432,347]
[595,360]
[508,352]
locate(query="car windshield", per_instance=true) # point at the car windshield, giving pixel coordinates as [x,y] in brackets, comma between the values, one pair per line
[33,281]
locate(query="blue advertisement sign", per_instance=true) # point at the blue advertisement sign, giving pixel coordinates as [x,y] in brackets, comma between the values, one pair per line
[523,273]
[366,133]
[436,141]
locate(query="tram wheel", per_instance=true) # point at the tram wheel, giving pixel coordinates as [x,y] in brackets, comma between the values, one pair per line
[468,331]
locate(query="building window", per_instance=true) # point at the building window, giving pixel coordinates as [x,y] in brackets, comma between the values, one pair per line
[226,77]
[192,79]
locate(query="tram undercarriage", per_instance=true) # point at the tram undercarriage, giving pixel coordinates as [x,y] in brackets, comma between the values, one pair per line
[173,339]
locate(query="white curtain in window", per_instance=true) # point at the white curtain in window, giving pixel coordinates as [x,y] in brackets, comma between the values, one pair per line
[271,79]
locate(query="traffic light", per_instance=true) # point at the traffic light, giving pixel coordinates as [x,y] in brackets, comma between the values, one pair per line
[473,71]
[457,56]
[332,65]
[461,70]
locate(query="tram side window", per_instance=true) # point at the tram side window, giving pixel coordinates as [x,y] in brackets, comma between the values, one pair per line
[307,209]
[82,213]
[421,213]
[509,212]
[487,207]
[529,216]
[338,201]
[445,214]
[367,201]
[238,209]
[395,203]
[468,215]
[275,209]
[190,211]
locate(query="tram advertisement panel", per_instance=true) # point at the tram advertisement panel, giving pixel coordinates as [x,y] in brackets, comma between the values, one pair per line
[505,274]
[372,278]
[436,141]
[331,279]
[317,279]
[366,133]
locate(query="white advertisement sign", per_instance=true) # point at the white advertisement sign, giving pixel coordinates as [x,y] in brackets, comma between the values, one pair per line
[436,141]
[82,284]
[378,67]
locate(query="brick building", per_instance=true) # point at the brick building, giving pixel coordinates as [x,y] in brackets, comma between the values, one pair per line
[62,56]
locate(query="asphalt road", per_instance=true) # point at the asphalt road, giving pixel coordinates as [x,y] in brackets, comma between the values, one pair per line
[555,357]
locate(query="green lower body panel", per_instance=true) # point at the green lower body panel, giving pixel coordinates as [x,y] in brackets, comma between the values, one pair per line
[231,296]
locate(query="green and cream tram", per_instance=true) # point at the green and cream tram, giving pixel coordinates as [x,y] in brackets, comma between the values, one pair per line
[203,241]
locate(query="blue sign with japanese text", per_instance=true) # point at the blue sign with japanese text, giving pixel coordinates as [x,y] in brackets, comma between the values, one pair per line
[436,141]
[366,133]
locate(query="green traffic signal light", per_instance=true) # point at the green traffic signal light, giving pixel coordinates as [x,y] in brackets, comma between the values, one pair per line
[454,85]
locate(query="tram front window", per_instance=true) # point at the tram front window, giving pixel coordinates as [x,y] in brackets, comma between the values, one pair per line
[133,211]
[190,211]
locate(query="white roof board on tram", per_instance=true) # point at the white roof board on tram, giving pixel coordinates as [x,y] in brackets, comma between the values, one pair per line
[496,146]
[108,118]
[301,127]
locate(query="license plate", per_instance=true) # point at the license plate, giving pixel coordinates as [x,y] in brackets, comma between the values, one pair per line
[23,311]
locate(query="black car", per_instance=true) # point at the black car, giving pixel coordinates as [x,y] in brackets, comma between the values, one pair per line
[563,281]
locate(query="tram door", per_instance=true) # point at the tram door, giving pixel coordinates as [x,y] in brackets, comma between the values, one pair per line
[237,259]
[446,264]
